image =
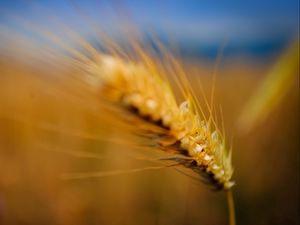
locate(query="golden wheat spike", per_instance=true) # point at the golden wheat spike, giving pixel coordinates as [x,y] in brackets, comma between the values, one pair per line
[142,86]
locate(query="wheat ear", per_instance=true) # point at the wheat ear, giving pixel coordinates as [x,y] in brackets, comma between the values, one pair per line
[142,86]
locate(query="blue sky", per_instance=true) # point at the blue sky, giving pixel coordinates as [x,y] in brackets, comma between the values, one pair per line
[189,22]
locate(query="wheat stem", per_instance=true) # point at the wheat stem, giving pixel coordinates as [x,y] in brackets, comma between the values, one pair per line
[231,210]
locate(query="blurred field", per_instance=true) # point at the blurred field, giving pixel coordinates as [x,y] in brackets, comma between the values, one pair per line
[51,125]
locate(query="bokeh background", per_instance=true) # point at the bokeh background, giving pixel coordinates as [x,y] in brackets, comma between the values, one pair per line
[51,125]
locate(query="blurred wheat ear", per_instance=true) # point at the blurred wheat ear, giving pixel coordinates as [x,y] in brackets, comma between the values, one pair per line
[272,89]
